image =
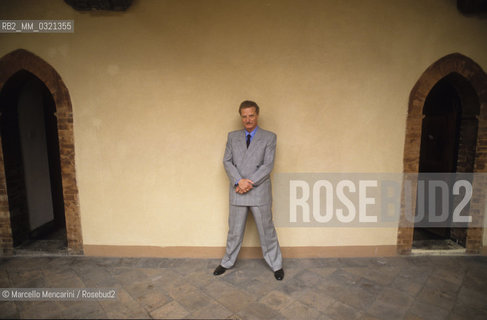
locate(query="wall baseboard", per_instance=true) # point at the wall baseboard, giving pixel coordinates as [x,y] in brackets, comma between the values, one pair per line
[245,252]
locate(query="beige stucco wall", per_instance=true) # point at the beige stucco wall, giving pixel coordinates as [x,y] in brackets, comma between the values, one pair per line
[156,89]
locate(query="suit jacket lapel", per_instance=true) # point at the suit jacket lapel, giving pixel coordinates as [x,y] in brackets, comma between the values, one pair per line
[241,144]
[255,140]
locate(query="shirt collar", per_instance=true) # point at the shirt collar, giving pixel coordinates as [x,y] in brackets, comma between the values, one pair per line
[252,134]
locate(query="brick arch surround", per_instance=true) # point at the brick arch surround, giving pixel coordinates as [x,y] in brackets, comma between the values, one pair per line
[457,64]
[9,65]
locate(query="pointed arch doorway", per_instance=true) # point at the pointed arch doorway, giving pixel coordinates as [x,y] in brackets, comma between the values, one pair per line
[19,70]
[462,82]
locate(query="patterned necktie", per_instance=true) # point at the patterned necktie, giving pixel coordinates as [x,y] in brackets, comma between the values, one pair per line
[248,140]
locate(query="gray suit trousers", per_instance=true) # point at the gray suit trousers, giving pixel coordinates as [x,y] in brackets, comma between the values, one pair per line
[267,234]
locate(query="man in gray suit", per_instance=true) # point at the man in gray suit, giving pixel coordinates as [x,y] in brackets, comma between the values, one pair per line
[248,161]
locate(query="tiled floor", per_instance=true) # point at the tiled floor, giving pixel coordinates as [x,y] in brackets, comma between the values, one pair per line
[426,287]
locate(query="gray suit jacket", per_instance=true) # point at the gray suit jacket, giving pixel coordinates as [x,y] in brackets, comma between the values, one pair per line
[254,163]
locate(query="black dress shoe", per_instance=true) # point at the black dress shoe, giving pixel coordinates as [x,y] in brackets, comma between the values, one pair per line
[279,274]
[219,270]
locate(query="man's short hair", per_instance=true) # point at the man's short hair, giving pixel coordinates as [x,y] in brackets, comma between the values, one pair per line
[248,104]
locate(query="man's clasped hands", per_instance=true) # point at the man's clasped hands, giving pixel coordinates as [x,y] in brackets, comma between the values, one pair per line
[244,186]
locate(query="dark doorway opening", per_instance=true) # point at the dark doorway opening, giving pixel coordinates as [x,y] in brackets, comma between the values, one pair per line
[448,145]
[32,165]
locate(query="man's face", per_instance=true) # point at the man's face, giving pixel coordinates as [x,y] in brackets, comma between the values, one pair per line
[249,118]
